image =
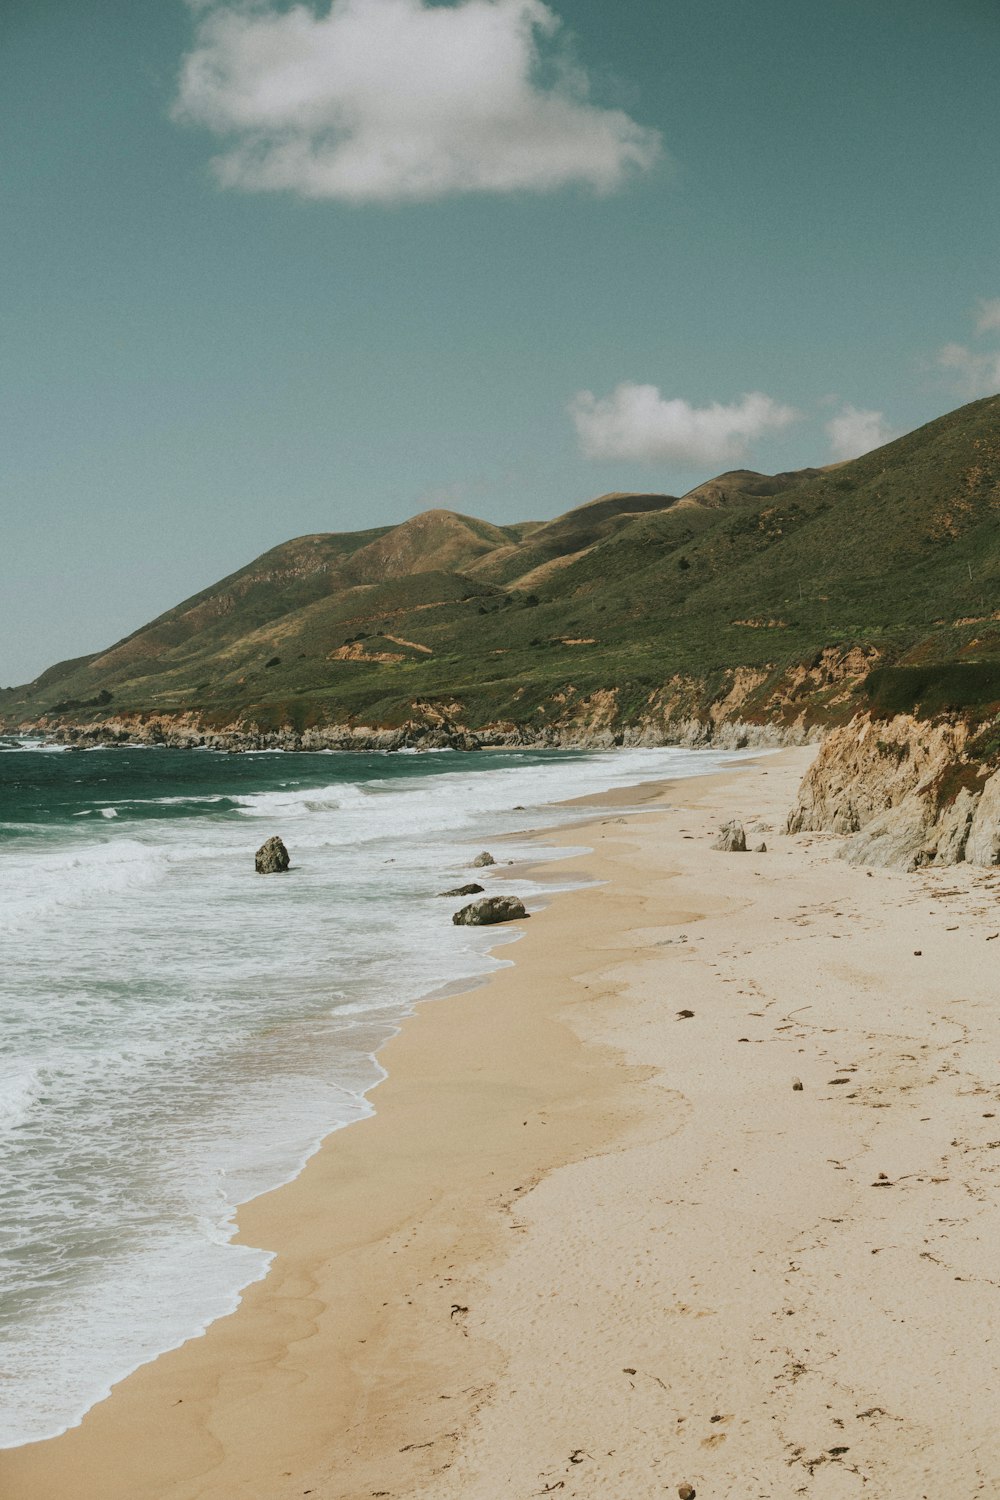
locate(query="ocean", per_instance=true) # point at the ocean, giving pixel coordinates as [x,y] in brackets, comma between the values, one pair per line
[178,1034]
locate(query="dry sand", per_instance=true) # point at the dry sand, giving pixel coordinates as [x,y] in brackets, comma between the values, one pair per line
[589,1247]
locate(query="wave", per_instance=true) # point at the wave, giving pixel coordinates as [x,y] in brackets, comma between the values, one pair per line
[14,746]
[64,879]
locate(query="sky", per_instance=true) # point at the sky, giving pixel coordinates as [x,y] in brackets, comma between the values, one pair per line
[269,269]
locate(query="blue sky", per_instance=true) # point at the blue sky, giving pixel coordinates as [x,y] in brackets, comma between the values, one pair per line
[273,269]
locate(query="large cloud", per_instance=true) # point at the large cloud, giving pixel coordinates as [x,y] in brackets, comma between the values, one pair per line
[853,432]
[637,424]
[386,100]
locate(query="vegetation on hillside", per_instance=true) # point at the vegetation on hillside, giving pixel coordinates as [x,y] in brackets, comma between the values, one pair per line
[896,555]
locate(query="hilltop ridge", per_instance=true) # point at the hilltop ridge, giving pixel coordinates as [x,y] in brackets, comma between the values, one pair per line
[763,598]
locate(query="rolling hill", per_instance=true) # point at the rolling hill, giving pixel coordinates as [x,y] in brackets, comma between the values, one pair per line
[767,598]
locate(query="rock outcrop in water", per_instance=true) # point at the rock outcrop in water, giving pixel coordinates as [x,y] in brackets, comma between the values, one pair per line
[483,859]
[463,890]
[490,910]
[272,857]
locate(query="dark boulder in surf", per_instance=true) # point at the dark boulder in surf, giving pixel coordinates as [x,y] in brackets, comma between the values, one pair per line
[272,857]
[490,910]
[463,890]
[483,859]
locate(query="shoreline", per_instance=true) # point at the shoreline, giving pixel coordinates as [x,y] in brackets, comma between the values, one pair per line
[561,1253]
[539,841]
[186,731]
[554,835]
[535,847]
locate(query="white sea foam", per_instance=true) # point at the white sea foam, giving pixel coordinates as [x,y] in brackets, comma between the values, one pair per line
[78,876]
[178,1034]
[15,744]
[19,1087]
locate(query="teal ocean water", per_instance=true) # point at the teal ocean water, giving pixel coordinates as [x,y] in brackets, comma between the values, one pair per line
[177,1033]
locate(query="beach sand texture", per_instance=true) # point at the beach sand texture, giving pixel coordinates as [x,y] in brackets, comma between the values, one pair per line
[590,1245]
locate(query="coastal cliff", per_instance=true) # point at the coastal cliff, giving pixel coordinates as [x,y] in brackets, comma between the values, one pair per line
[769,706]
[186,732]
[906,792]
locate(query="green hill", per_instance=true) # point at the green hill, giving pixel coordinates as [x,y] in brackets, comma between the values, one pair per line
[766,597]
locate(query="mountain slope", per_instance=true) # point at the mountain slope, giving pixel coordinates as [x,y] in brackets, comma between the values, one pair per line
[650,606]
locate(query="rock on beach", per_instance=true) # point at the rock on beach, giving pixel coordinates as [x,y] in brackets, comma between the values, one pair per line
[732,838]
[483,859]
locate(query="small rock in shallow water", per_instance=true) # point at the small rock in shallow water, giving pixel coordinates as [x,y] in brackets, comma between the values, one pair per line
[483,859]
[489,910]
[272,857]
[463,890]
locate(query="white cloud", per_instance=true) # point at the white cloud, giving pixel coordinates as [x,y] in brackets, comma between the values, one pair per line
[389,100]
[975,374]
[853,432]
[636,423]
[988,317]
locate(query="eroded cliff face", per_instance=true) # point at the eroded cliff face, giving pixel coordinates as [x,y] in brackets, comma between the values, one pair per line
[594,730]
[771,705]
[905,791]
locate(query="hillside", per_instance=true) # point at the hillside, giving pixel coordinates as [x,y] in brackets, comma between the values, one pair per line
[764,598]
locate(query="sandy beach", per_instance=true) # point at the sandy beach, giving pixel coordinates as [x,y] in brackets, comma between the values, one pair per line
[703,1190]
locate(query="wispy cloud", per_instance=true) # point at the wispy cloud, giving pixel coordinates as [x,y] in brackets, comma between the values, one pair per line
[636,423]
[395,100]
[988,317]
[853,431]
[975,372]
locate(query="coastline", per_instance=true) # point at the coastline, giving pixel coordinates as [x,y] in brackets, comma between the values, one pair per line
[275,1050]
[188,731]
[561,1252]
[548,835]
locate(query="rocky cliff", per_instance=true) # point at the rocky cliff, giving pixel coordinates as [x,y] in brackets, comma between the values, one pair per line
[907,791]
[186,732]
[738,707]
